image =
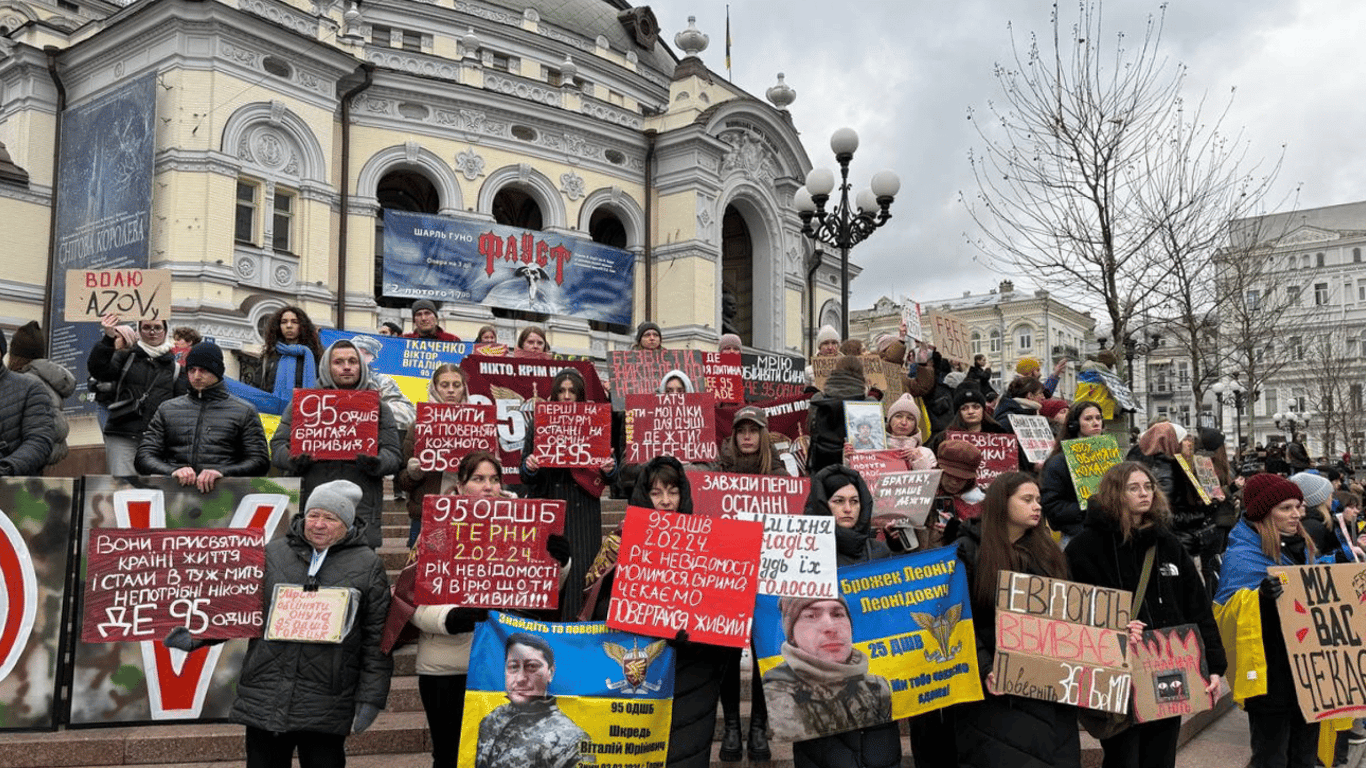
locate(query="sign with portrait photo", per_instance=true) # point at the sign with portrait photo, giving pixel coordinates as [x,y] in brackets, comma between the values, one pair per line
[864,427]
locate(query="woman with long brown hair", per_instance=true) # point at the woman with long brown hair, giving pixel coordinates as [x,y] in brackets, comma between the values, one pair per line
[290,355]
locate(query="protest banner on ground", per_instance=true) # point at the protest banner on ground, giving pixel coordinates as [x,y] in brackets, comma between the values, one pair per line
[1035,435]
[904,496]
[798,557]
[726,494]
[573,435]
[445,432]
[682,426]
[872,464]
[1323,626]
[1000,453]
[864,428]
[141,584]
[1170,674]
[642,371]
[335,424]
[950,336]
[724,375]
[488,552]
[302,615]
[132,294]
[597,696]
[1189,470]
[1062,641]
[686,572]
[770,375]
[906,621]
[1088,459]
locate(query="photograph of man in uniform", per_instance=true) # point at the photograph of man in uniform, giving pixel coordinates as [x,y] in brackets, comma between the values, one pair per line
[529,731]
[822,686]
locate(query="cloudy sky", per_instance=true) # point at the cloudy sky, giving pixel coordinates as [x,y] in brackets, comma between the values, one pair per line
[904,75]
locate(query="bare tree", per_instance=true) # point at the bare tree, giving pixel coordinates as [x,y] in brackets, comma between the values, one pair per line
[1334,387]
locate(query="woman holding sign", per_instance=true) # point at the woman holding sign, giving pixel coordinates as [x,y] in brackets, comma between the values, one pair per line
[1060,505]
[448,386]
[1128,531]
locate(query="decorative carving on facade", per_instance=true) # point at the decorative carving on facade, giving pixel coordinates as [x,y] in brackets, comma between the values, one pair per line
[748,155]
[470,164]
[484,12]
[270,149]
[244,150]
[437,68]
[240,55]
[705,219]
[571,184]
[1308,235]
[284,16]
[610,114]
[284,276]
[522,89]
[246,267]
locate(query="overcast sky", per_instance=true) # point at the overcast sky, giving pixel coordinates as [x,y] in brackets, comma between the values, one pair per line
[904,75]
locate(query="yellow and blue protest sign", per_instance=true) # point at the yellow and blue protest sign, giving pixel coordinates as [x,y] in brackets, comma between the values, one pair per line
[409,361]
[897,642]
[547,695]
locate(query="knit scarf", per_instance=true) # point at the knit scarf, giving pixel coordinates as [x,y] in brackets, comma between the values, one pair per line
[852,542]
[809,667]
[288,368]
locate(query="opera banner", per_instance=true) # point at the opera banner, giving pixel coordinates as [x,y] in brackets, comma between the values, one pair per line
[896,641]
[104,207]
[410,362]
[547,695]
[1323,625]
[142,680]
[449,259]
[35,542]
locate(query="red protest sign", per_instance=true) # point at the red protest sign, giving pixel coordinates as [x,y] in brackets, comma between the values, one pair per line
[480,552]
[335,424]
[444,433]
[142,583]
[573,435]
[1000,453]
[724,494]
[642,371]
[678,425]
[725,376]
[786,416]
[689,572]
[874,464]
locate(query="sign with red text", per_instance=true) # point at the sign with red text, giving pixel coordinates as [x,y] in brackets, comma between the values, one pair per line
[1035,434]
[300,615]
[488,552]
[1062,641]
[573,435]
[335,424]
[132,294]
[786,416]
[1000,453]
[727,494]
[950,336]
[725,376]
[682,426]
[141,584]
[872,464]
[445,432]
[904,496]
[798,558]
[642,371]
[910,317]
[1323,625]
[1170,674]
[686,572]
[770,375]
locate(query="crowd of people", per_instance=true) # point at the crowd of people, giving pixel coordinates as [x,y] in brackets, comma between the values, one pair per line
[1191,557]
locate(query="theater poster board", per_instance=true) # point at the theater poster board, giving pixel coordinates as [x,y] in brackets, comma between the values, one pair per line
[1324,624]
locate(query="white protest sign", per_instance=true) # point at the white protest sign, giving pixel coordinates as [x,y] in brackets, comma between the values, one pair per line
[798,555]
[1035,435]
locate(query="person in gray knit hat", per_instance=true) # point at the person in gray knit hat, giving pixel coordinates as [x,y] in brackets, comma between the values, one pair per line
[425,323]
[648,336]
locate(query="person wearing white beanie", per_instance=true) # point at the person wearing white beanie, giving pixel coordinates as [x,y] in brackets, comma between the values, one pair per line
[827,341]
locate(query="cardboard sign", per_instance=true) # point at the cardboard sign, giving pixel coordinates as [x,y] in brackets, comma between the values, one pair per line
[1088,459]
[1323,624]
[690,572]
[642,371]
[573,435]
[132,294]
[725,376]
[726,494]
[769,376]
[904,496]
[335,424]
[864,428]
[479,552]
[1195,480]
[318,616]
[1170,674]
[1062,641]
[798,557]
[876,372]
[1000,453]
[1035,434]
[444,433]
[874,464]
[821,368]
[1206,477]
[950,337]
[682,426]
[910,317]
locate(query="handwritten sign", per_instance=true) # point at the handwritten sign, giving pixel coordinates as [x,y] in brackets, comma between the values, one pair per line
[335,424]
[140,584]
[950,337]
[876,372]
[873,464]
[479,552]
[1170,674]
[682,426]
[1062,641]
[1088,459]
[642,371]
[1035,435]
[574,435]
[318,616]
[133,294]
[725,376]
[1195,480]
[445,432]
[863,426]
[910,317]
[690,572]
[726,494]
[904,496]
[1000,453]
[1119,391]
[1323,624]
[1206,477]
[786,416]
[821,368]
[798,557]
[769,376]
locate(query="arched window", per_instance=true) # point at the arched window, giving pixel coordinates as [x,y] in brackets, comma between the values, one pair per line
[400,190]
[995,342]
[976,343]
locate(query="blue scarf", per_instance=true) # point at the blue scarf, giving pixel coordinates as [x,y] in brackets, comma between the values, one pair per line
[287,369]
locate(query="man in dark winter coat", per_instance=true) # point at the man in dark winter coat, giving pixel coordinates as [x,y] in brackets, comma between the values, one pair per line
[206,434]
[28,354]
[26,423]
[342,368]
[144,376]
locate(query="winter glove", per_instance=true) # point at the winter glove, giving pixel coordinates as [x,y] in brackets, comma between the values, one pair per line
[1271,588]
[365,715]
[679,640]
[415,470]
[181,640]
[557,547]
[300,464]
[462,620]
[368,464]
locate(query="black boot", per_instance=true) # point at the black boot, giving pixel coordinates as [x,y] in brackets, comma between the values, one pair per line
[758,740]
[731,747]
